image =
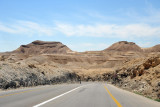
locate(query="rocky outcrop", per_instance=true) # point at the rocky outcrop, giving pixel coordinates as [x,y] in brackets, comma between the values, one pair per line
[141,75]
[42,47]
[124,46]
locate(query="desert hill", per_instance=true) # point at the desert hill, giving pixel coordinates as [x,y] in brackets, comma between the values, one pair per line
[124,46]
[155,48]
[42,47]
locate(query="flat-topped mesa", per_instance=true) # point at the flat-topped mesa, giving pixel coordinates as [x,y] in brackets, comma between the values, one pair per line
[124,46]
[43,47]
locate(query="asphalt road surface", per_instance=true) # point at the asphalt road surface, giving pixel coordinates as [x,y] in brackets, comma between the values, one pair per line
[74,95]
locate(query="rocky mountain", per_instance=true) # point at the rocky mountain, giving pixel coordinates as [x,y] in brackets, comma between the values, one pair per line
[42,47]
[124,46]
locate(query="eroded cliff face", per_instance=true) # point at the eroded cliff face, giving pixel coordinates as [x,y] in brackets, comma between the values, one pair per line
[14,75]
[141,75]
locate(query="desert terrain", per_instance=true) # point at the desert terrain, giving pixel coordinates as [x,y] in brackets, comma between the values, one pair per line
[123,64]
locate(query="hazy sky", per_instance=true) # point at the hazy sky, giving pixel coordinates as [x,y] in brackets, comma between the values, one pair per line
[80,24]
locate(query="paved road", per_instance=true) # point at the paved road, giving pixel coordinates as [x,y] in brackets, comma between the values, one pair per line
[74,95]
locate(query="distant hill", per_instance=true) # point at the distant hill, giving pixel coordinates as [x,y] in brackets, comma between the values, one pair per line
[155,48]
[43,47]
[124,46]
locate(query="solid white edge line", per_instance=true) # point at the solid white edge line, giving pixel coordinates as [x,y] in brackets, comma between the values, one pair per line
[57,97]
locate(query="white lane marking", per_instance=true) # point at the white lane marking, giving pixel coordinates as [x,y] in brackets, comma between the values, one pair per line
[38,105]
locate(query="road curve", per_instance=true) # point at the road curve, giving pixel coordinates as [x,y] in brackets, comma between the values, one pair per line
[74,95]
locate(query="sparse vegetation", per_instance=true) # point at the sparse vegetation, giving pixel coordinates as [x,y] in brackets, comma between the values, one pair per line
[149,97]
[146,96]
[138,93]
[157,100]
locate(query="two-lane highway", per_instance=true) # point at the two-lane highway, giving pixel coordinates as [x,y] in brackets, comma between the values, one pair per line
[74,95]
